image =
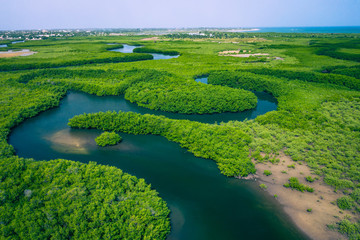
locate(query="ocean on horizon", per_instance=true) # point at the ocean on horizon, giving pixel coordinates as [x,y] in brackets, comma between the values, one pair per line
[352,29]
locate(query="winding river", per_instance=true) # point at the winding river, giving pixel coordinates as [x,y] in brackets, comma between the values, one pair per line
[129,49]
[204,204]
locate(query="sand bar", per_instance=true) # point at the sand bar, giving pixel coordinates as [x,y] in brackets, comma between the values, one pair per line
[22,53]
[150,39]
[296,203]
[246,55]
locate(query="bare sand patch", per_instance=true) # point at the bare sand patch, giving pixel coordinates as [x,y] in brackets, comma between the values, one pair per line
[22,53]
[150,39]
[229,52]
[77,141]
[296,203]
[68,142]
[247,55]
[237,53]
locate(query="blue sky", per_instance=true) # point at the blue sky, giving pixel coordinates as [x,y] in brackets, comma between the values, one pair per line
[39,14]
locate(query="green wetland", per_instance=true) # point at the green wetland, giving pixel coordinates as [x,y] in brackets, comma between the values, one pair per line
[290,101]
[203,203]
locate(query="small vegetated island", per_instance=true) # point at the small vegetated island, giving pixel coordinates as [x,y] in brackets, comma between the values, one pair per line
[108,139]
[309,146]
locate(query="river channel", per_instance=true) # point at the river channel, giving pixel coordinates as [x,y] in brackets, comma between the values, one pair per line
[129,49]
[204,204]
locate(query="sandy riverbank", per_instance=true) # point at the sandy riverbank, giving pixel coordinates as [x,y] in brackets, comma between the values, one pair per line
[296,203]
[249,55]
[236,53]
[150,39]
[10,53]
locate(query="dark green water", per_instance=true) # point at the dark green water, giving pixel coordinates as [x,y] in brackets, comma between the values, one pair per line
[204,204]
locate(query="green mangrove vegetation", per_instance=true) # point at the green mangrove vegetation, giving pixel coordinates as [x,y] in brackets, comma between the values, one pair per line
[53,54]
[108,138]
[151,50]
[151,89]
[227,146]
[314,77]
[189,97]
[64,199]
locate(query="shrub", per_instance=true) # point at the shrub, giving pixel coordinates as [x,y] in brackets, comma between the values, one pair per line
[274,160]
[263,186]
[295,184]
[309,179]
[345,203]
[267,172]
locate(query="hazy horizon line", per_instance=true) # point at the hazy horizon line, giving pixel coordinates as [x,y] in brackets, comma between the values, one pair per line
[175,28]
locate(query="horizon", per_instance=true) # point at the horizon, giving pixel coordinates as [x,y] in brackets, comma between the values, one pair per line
[81,14]
[178,28]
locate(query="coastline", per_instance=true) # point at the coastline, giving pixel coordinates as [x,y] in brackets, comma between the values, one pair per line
[244,30]
[324,210]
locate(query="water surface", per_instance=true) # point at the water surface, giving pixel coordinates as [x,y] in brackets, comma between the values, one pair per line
[20,41]
[350,29]
[202,80]
[157,56]
[204,204]
[125,49]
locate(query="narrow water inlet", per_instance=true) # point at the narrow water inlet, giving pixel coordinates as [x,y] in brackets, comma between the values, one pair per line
[129,49]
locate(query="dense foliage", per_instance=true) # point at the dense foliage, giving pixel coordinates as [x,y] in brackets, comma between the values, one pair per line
[62,199]
[345,202]
[336,79]
[225,145]
[108,138]
[151,89]
[75,62]
[19,102]
[336,49]
[150,50]
[189,97]
[350,229]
